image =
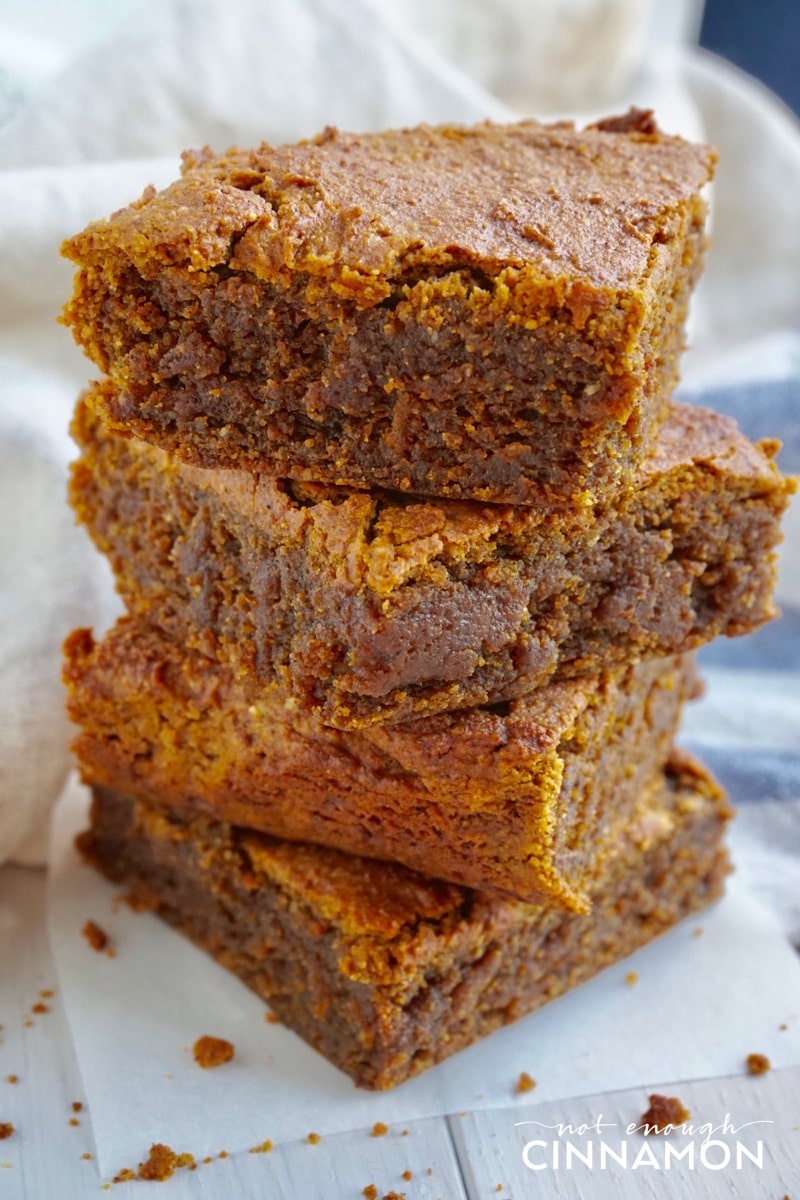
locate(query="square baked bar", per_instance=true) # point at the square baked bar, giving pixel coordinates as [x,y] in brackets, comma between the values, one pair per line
[528,797]
[385,971]
[374,607]
[492,312]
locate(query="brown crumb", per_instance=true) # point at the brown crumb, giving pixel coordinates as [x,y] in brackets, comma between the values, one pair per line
[525,1083]
[271,1018]
[393,1196]
[86,1155]
[313,1139]
[370,1192]
[40,1008]
[212,1052]
[407,1175]
[379,1129]
[631,978]
[186,1160]
[29,1024]
[74,1121]
[12,1078]
[6,1130]
[264,1148]
[124,1175]
[757,1064]
[699,931]
[783,1027]
[47,993]
[208,1159]
[160,1164]
[95,936]
[404,1133]
[664,1113]
[222,1154]
[429,1171]
[77,1106]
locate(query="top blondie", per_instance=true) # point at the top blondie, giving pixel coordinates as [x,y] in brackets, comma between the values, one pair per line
[493,312]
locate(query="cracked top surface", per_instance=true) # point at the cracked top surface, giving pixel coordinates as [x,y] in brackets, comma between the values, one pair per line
[360,209]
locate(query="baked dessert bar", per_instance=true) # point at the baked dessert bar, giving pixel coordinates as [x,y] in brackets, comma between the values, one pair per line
[385,971]
[492,312]
[528,797]
[372,607]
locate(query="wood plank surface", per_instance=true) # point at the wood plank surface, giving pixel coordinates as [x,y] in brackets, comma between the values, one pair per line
[491,1145]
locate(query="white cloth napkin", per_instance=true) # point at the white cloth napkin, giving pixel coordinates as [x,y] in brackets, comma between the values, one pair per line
[85,128]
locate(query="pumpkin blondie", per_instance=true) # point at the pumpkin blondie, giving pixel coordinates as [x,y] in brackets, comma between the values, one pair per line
[387,972]
[528,797]
[492,312]
[375,607]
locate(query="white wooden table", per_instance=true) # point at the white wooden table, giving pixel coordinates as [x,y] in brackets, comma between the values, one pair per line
[462,1157]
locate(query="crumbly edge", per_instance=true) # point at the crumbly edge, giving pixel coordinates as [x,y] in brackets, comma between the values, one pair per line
[528,800]
[384,1012]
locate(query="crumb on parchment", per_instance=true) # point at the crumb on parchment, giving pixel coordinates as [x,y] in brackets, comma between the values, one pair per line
[264,1147]
[757,1064]
[95,936]
[161,1164]
[525,1083]
[379,1129]
[212,1052]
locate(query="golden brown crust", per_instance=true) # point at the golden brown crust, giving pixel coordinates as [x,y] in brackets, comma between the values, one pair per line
[529,798]
[492,312]
[359,209]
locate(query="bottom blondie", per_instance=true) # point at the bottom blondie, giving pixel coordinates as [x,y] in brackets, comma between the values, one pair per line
[387,972]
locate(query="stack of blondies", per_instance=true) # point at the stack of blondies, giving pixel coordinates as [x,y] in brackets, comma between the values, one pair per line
[415,549]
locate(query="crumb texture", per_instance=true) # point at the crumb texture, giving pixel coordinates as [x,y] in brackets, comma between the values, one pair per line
[664,1114]
[95,936]
[757,1064]
[212,1052]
